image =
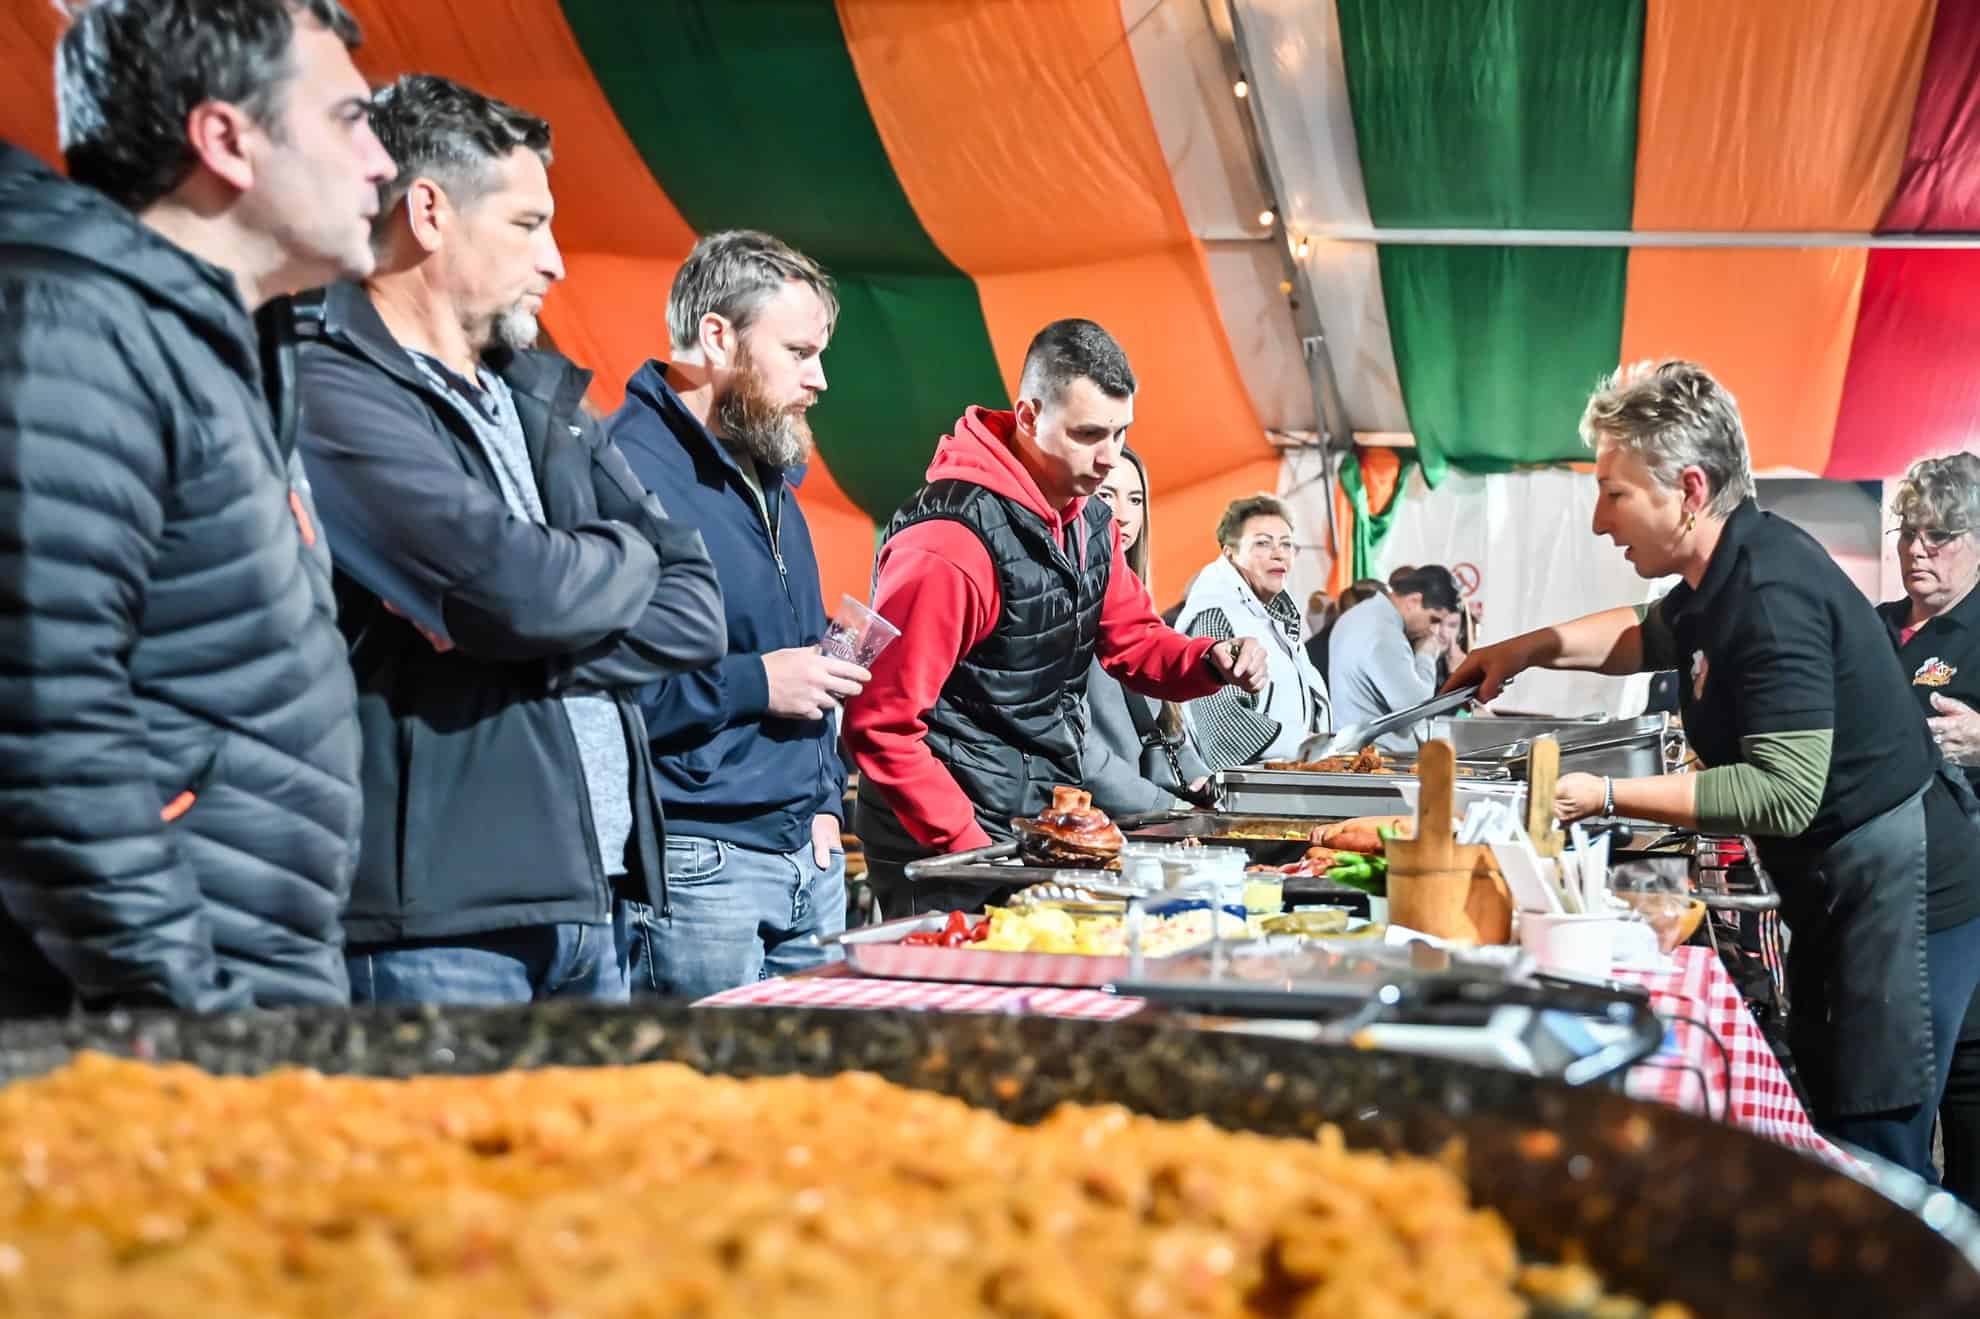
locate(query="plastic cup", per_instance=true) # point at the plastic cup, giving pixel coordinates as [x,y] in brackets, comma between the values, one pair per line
[857,634]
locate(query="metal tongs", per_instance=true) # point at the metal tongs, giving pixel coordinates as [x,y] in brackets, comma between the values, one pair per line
[1359,734]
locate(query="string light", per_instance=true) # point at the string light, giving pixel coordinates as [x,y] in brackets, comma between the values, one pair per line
[1267,217]
[1240,89]
[1304,246]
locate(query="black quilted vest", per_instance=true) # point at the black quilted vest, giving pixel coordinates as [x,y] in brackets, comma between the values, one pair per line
[1011,718]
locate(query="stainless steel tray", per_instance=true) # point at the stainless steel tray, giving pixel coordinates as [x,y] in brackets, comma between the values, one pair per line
[877,950]
[1618,748]
[998,865]
[1314,795]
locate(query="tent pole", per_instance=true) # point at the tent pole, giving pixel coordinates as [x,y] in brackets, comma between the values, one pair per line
[1336,432]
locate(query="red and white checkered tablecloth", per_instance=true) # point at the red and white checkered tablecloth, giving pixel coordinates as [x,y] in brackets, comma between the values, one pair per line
[1690,1073]
[926,996]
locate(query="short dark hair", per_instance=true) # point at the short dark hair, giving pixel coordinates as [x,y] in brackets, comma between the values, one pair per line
[129,72]
[1436,585]
[732,274]
[1070,350]
[436,128]
[1240,511]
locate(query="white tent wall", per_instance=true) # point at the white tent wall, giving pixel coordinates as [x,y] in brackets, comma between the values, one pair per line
[1527,536]
[1522,541]
[1179,57]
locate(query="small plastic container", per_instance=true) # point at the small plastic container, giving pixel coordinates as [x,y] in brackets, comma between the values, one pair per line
[1569,943]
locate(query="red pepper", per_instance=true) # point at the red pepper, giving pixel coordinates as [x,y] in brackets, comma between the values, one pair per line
[955,932]
[980,931]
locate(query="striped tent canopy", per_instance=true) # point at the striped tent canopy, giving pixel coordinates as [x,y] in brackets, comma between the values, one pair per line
[1486,203]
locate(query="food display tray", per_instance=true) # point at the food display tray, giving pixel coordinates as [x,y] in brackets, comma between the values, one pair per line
[1316,795]
[877,950]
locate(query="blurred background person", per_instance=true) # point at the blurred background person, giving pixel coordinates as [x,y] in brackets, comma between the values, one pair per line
[1382,657]
[1242,593]
[1137,757]
[1936,629]
[1352,594]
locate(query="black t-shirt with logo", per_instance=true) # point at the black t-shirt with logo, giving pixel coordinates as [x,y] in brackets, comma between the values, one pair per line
[1776,639]
[1942,657]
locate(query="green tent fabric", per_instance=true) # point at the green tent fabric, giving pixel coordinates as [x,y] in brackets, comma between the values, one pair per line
[751,116]
[1371,529]
[1497,114]
[1498,348]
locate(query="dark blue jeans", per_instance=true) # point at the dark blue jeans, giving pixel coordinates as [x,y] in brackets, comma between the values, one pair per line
[520,965]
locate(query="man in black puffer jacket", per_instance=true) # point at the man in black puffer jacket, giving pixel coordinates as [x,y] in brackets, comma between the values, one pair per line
[179,749]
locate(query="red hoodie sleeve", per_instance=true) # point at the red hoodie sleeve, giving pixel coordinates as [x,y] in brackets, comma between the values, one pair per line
[934,582]
[1143,652]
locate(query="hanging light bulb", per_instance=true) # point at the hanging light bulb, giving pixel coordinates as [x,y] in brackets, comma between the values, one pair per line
[1240,89]
[1267,217]
[1304,246]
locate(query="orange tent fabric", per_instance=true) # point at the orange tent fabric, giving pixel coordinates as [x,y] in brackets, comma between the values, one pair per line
[1775,114]
[998,156]
[1774,325]
[27,45]
[622,238]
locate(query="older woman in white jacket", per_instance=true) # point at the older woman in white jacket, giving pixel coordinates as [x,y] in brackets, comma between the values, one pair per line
[1243,594]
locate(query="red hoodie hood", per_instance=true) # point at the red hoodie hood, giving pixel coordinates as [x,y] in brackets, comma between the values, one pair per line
[980,452]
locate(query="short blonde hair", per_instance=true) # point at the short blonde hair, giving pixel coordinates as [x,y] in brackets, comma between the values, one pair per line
[1941,492]
[1673,415]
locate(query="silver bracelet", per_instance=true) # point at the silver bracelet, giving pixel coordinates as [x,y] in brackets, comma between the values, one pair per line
[1608,798]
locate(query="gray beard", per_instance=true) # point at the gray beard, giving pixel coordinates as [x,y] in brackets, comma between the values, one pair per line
[514,329]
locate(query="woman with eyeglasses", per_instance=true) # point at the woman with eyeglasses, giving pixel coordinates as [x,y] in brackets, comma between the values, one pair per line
[1243,594]
[1801,713]
[1936,629]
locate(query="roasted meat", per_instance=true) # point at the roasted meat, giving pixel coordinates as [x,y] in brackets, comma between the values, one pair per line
[1069,832]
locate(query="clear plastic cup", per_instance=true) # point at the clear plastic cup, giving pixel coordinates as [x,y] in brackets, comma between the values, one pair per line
[857,634]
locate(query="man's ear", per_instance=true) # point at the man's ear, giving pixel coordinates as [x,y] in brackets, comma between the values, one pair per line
[218,133]
[1026,411]
[720,342]
[429,213]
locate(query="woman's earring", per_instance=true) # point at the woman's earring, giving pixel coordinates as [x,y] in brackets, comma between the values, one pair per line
[1690,521]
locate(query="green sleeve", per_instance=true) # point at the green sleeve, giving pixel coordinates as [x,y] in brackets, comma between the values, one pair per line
[1660,646]
[1775,791]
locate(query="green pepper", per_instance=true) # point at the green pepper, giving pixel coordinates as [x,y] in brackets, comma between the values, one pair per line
[1360,878]
[1387,833]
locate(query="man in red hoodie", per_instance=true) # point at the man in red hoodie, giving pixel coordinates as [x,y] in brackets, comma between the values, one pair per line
[1006,578]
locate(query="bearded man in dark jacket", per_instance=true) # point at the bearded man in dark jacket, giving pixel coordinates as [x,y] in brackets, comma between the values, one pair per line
[179,757]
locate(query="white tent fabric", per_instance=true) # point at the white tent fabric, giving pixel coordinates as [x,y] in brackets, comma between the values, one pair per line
[1292,49]
[1521,542]
[1178,56]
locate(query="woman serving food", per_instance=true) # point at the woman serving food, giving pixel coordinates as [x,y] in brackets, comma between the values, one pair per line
[1797,706]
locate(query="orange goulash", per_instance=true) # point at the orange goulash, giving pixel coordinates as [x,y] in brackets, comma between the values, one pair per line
[135,1190]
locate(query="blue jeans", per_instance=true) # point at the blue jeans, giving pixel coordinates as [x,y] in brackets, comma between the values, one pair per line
[1904,1136]
[737,916]
[520,965]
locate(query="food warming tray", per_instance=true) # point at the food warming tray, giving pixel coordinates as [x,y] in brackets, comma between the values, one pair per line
[1315,795]
[877,950]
